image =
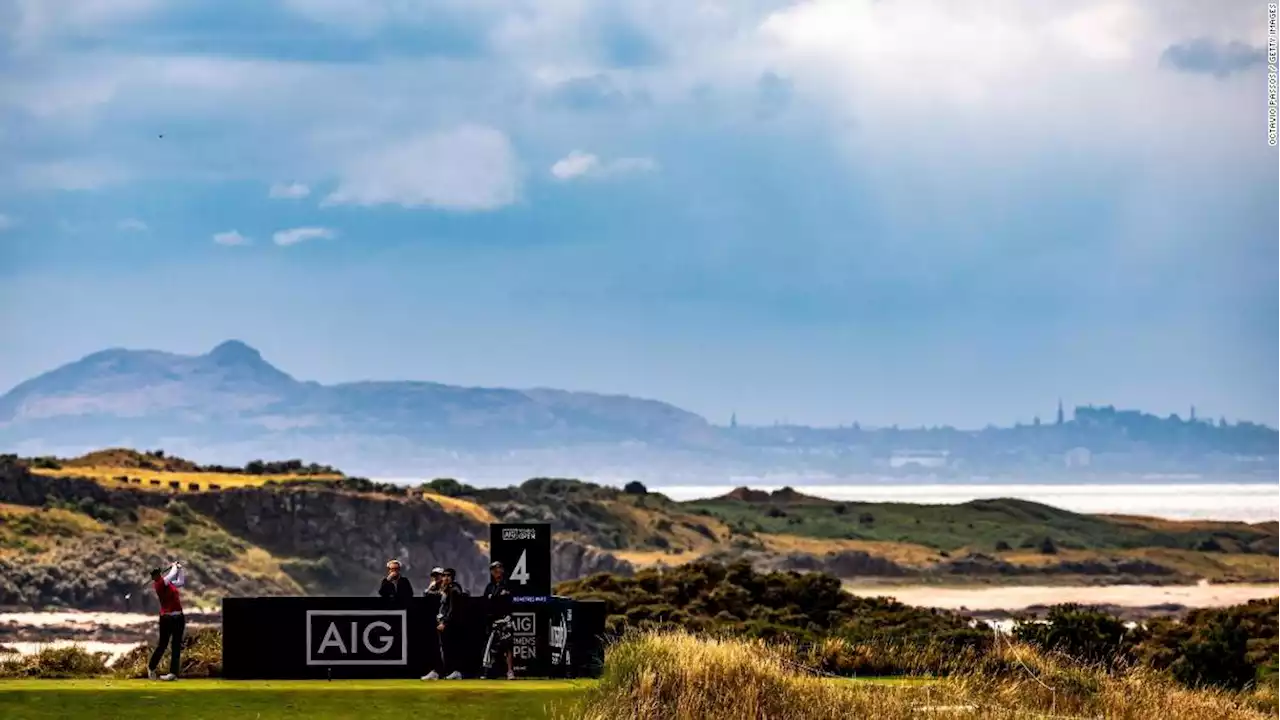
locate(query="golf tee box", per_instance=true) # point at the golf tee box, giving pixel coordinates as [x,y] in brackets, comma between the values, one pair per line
[373,637]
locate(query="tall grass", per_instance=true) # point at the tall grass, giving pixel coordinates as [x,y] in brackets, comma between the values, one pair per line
[201,658]
[677,676]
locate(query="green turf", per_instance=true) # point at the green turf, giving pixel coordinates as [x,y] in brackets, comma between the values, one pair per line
[266,700]
[978,524]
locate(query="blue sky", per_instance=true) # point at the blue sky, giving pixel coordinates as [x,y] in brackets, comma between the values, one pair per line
[821,211]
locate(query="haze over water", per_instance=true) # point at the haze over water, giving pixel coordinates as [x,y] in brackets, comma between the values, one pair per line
[1249,502]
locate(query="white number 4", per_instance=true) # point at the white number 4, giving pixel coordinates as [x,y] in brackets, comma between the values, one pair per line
[521,574]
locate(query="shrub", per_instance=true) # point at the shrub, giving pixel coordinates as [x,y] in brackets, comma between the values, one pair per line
[635,487]
[174,525]
[201,656]
[1232,647]
[448,487]
[1081,633]
[50,662]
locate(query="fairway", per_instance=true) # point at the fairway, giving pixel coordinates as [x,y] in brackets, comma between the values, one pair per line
[265,700]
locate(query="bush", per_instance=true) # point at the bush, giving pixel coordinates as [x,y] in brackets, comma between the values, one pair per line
[201,656]
[175,525]
[635,487]
[1232,647]
[1081,633]
[64,662]
[448,487]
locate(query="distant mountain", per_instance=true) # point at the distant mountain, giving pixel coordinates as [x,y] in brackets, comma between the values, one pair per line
[231,393]
[230,406]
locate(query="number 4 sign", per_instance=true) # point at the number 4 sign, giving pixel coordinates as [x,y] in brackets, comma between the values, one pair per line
[521,572]
[525,551]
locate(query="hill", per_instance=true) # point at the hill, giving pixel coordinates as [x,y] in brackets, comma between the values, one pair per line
[232,394]
[231,402]
[78,532]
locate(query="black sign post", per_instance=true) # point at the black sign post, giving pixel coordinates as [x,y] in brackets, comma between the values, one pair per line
[525,553]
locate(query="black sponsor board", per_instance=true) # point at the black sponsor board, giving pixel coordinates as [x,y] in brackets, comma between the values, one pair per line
[329,637]
[525,553]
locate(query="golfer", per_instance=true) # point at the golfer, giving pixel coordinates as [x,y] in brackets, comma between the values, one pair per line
[172,621]
[500,630]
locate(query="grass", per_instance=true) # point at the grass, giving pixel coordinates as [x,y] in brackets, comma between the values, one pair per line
[979,525]
[461,506]
[107,475]
[266,700]
[676,676]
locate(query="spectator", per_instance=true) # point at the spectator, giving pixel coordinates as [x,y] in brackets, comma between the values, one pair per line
[450,652]
[433,588]
[395,586]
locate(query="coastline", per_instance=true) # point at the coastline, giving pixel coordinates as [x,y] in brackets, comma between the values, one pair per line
[1011,599]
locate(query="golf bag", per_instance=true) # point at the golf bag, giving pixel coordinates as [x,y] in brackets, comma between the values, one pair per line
[500,635]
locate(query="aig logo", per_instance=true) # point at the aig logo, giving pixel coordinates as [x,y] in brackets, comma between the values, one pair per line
[524,629]
[523,625]
[357,637]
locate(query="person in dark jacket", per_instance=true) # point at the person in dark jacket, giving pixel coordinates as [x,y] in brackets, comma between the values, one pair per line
[395,586]
[450,652]
[500,630]
[433,588]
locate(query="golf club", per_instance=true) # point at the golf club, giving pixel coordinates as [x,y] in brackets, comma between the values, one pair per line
[147,584]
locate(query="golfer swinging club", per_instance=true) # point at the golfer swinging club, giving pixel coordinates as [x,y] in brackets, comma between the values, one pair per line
[172,622]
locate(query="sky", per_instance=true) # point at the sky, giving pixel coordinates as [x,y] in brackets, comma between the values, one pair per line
[815,211]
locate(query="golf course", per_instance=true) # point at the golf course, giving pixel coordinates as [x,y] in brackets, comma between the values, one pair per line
[264,700]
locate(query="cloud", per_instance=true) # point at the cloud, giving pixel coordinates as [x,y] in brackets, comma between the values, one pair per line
[593,92]
[1209,57]
[294,236]
[467,168]
[573,165]
[289,191]
[231,237]
[774,95]
[6,222]
[34,21]
[84,174]
[582,164]
[131,225]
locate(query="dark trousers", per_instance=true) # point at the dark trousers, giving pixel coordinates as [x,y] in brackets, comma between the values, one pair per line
[171,629]
[450,652]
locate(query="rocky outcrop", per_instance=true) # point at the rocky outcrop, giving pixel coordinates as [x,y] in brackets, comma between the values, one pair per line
[354,533]
[109,572]
[571,559]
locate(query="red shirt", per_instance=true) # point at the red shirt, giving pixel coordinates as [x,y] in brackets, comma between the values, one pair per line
[169,602]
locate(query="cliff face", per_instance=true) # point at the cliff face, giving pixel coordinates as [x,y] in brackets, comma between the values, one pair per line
[352,535]
[72,542]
